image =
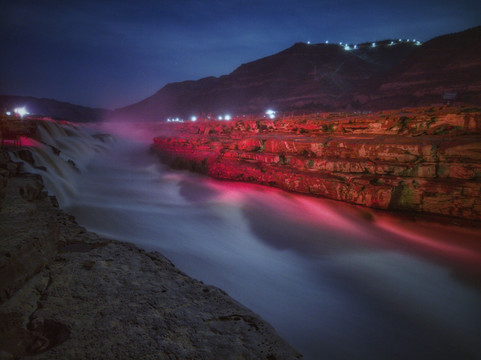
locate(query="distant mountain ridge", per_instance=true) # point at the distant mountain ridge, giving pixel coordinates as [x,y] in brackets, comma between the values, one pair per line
[326,77]
[53,108]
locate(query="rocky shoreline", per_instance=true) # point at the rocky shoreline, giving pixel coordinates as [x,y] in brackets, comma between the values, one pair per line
[424,160]
[66,293]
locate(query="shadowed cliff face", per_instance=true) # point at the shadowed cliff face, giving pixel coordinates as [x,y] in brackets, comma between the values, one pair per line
[326,77]
[423,159]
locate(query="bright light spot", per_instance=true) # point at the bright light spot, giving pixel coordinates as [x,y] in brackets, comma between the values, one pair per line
[193,118]
[308,43]
[340,43]
[21,111]
[8,113]
[327,41]
[409,40]
[227,117]
[347,47]
[355,47]
[373,44]
[392,43]
[400,40]
[418,43]
[271,114]
[220,118]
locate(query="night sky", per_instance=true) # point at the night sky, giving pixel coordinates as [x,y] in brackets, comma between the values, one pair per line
[115,52]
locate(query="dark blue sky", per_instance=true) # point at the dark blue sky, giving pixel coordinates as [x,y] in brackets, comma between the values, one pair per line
[115,52]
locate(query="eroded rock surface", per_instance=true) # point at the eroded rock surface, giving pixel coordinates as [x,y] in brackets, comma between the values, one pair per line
[422,159]
[69,294]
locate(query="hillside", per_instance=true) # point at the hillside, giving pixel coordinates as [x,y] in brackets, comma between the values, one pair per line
[447,63]
[326,77]
[53,108]
[300,77]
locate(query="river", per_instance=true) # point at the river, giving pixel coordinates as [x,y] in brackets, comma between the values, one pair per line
[337,281]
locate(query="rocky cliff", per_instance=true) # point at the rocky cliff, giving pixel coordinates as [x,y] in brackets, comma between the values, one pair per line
[326,77]
[420,159]
[66,293]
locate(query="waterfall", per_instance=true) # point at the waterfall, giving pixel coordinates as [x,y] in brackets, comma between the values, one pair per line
[60,151]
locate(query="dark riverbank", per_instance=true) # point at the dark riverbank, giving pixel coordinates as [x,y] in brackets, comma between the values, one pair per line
[67,293]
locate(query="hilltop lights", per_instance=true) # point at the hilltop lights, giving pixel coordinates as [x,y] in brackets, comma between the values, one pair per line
[347,47]
[220,117]
[373,44]
[271,114]
[193,118]
[327,41]
[21,111]
[227,117]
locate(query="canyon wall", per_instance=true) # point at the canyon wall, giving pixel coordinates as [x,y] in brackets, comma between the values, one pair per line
[421,159]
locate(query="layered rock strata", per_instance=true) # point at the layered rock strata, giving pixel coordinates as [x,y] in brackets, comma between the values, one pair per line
[66,293]
[423,159]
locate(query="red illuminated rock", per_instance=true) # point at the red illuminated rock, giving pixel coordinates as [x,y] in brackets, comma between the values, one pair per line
[423,159]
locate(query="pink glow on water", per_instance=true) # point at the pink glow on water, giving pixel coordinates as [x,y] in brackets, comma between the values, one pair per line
[441,244]
[26,141]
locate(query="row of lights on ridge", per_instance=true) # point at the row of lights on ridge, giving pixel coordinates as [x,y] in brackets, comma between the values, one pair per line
[354,47]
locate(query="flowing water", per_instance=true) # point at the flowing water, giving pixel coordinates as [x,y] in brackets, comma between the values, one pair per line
[335,280]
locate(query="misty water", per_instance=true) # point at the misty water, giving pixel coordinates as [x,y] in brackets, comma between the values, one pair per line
[337,281]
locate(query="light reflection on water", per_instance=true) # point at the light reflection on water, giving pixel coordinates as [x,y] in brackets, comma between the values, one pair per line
[337,281]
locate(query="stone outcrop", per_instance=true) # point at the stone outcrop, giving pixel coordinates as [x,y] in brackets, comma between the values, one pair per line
[66,293]
[422,159]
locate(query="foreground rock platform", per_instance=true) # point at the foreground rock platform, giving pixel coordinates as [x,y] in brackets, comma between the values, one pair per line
[66,293]
[420,159]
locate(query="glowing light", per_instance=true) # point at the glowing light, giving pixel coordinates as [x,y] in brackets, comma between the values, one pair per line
[308,43]
[227,117]
[400,40]
[418,43]
[327,41]
[408,40]
[8,113]
[392,43]
[355,47]
[21,111]
[193,118]
[220,118]
[340,43]
[373,44]
[271,113]
[347,47]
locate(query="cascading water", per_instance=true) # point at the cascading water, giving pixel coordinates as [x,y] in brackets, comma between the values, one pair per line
[337,281]
[60,151]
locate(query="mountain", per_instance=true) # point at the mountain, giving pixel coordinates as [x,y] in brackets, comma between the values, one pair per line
[52,108]
[449,63]
[327,77]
